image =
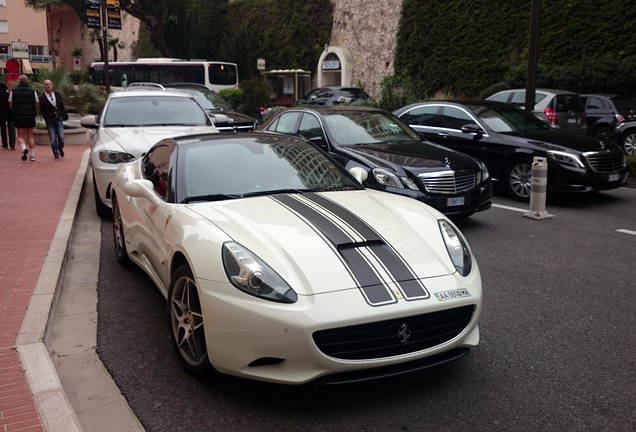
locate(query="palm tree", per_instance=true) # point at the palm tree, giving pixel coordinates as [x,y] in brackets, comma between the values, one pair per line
[46,6]
[114,44]
[95,35]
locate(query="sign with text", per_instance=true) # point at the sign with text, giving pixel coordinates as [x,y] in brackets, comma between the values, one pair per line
[93,16]
[114,15]
[20,50]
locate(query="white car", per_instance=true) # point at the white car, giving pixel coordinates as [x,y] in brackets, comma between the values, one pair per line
[129,124]
[277,265]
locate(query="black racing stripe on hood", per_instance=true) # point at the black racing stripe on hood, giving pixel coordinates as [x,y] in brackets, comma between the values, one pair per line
[373,288]
[362,268]
[405,277]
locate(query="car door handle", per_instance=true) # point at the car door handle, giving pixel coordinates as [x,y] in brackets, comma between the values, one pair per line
[443,134]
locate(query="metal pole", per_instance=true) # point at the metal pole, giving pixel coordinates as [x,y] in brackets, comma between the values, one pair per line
[533,54]
[105,45]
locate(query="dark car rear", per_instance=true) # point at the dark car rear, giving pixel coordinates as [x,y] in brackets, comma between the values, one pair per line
[605,112]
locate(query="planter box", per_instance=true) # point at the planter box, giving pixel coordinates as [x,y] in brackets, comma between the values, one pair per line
[73,136]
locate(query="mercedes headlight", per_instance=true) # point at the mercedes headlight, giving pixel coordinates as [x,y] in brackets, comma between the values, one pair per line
[566,158]
[114,157]
[387,178]
[457,248]
[251,275]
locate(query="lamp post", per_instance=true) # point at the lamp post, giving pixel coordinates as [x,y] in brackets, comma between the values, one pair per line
[104,17]
[533,54]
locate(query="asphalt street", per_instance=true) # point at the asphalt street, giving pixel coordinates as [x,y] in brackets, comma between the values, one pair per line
[557,350]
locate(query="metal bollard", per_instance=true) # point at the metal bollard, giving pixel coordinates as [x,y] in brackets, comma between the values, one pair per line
[539,189]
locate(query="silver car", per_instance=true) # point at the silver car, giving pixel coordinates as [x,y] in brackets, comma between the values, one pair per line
[561,110]
[130,124]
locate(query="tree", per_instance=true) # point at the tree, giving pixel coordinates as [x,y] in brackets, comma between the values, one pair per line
[46,6]
[95,35]
[114,43]
[153,14]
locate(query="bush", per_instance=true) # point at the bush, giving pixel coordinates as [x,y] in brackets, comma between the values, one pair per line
[256,94]
[631,162]
[232,96]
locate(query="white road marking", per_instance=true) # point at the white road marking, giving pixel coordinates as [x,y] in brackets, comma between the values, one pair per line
[624,231]
[509,208]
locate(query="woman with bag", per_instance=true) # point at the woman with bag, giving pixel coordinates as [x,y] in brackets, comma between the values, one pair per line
[54,113]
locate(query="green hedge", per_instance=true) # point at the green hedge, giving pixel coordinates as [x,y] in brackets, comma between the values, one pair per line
[463,48]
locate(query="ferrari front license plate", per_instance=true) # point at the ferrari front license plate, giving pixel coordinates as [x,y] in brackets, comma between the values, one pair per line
[455,201]
[452,294]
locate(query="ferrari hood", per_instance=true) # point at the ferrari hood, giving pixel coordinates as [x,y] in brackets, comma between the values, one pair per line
[324,242]
[138,140]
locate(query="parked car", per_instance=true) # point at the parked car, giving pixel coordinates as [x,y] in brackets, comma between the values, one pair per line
[278,266]
[223,115]
[507,138]
[605,112]
[561,110]
[625,137]
[394,156]
[218,107]
[332,95]
[130,123]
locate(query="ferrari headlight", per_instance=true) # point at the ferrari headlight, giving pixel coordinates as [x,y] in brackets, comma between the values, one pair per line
[566,158]
[114,157]
[387,178]
[456,247]
[251,275]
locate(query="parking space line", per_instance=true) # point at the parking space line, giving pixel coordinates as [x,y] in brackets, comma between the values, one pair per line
[624,231]
[509,208]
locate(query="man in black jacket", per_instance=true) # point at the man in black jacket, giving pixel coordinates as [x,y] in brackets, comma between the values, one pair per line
[7,128]
[23,100]
[54,113]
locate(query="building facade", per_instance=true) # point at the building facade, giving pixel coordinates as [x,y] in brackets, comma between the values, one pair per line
[23,36]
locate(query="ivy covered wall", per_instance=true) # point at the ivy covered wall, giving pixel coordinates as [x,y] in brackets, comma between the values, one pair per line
[462,47]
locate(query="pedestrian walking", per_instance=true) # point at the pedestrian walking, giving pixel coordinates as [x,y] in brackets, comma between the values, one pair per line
[54,113]
[7,128]
[24,103]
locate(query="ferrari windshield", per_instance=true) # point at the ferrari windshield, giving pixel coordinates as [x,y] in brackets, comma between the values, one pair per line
[349,128]
[504,119]
[258,165]
[159,110]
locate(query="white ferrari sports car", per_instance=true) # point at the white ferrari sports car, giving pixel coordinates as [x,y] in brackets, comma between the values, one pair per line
[277,265]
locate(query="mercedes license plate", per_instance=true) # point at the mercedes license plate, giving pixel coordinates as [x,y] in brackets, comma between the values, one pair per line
[455,201]
[613,177]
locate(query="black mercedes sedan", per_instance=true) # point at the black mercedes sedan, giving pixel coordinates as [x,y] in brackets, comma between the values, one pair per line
[395,157]
[507,138]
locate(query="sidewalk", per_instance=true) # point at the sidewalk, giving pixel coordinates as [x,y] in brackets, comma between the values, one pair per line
[35,224]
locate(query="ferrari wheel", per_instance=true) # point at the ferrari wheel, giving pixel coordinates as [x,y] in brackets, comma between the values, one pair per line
[519,179]
[186,322]
[118,235]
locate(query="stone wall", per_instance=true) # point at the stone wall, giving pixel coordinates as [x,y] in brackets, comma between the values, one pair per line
[369,30]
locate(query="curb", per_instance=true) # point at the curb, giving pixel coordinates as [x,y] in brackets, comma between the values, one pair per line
[55,410]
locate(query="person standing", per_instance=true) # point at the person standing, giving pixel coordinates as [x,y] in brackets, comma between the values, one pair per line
[6,119]
[24,102]
[54,113]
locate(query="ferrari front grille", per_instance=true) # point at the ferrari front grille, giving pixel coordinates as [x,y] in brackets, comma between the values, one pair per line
[394,337]
[448,182]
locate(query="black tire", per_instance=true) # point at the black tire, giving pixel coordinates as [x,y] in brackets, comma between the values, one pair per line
[186,323]
[118,235]
[102,209]
[518,180]
[629,142]
[604,133]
